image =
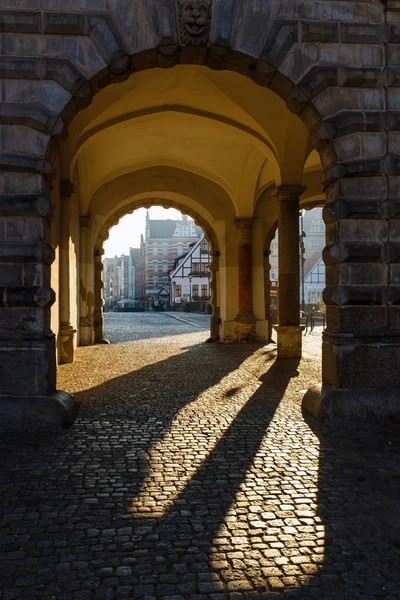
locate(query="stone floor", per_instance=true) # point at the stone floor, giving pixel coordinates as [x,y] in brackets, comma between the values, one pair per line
[191,473]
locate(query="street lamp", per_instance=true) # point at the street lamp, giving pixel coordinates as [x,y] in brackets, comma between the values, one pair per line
[302,259]
[190,287]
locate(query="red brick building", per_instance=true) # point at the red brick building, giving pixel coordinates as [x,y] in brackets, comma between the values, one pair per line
[164,241]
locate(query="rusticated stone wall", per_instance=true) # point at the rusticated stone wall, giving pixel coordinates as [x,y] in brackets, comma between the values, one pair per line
[335,63]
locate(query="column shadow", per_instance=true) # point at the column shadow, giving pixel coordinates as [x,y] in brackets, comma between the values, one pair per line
[359,508]
[196,534]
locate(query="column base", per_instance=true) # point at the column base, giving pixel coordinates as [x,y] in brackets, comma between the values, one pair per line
[37,414]
[85,332]
[290,338]
[347,405]
[246,328]
[67,343]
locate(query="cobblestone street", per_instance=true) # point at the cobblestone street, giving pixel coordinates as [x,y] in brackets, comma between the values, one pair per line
[191,473]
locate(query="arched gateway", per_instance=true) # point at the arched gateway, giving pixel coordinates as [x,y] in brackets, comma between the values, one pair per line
[232,110]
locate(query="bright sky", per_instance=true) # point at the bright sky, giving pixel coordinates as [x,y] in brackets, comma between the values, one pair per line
[127,233]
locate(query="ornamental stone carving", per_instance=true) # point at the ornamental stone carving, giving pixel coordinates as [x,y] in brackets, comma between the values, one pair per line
[194,22]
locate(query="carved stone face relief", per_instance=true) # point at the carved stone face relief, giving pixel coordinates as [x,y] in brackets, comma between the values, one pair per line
[195,18]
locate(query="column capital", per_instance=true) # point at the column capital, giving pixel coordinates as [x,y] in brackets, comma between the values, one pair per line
[245,228]
[289,192]
[67,188]
[245,222]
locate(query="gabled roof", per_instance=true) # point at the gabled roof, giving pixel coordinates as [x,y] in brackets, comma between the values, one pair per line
[165,229]
[314,269]
[186,256]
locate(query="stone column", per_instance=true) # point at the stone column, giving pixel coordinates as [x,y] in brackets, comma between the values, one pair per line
[29,400]
[98,298]
[289,330]
[215,317]
[267,292]
[246,321]
[85,294]
[67,332]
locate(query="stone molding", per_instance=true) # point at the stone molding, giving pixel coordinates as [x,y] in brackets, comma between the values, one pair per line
[289,192]
[67,188]
[84,222]
[245,230]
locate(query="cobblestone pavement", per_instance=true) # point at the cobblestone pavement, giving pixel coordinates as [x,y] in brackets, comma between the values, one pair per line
[190,473]
[201,320]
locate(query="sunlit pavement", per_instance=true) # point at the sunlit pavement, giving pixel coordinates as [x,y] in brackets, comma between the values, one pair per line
[191,473]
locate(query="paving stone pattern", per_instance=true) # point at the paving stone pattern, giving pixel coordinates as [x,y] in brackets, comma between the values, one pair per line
[191,473]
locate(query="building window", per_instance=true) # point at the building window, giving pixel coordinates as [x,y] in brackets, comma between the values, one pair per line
[180,249]
[155,283]
[178,291]
[165,249]
[155,265]
[204,247]
[274,274]
[195,290]
[155,249]
[204,291]
[318,245]
[165,280]
[195,267]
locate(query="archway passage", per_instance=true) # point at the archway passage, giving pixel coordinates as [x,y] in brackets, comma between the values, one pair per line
[191,139]
[158,262]
[225,143]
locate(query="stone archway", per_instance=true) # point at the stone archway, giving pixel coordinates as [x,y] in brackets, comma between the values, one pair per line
[337,94]
[98,317]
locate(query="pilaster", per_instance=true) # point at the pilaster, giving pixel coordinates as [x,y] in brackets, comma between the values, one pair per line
[246,321]
[29,400]
[67,332]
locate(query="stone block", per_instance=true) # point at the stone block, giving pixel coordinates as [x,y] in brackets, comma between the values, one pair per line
[317,79]
[84,55]
[163,17]
[361,363]
[135,24]
[360,145]
[361,33]
[353,55]
[48,94]
[282,37]
[20,22]
[319,32]
[15,183]
[104,37]
[24,229]
[75,5]
[392,31]
[289,340]
[26,252]
[64,23]
[250,37]
[37,414]
[363,295]
[27,367]
[358,320]
[26,296]
[334,100]
[361,77]
[347,406]
[24,323]
[17,67]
